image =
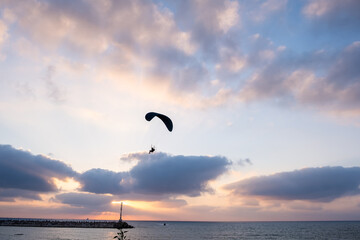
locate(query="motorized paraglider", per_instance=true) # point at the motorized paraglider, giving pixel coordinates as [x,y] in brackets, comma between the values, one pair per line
[165,119]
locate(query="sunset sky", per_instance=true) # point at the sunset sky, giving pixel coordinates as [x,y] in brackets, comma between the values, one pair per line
[264,96]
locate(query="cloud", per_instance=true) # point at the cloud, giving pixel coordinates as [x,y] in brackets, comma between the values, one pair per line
[229,16]
[166,174]
[337,90]
[21,170]
[168,48]
[9,194]
[243,162]
[323,8]
[104,181]
[262,50]
[231,60]
[313,184]
[72,205]
[92,28]
[64,24]
[331,16]
[266,83]
[266,9]
[120,38]
[157,174]
[3,38]
[345,72]
[209,17]
[153,51]
[296,79]
[55,93]
[91,202]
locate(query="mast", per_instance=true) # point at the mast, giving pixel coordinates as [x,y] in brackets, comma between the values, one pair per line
[121,212]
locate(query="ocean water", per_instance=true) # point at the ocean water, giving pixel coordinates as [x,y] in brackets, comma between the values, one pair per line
[195,230]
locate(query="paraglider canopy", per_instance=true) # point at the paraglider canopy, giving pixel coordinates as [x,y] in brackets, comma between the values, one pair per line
[166,120]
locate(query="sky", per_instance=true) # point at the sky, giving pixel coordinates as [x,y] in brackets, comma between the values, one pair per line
[264,96]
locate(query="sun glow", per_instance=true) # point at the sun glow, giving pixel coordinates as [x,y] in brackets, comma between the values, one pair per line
[68,185]
[119,202]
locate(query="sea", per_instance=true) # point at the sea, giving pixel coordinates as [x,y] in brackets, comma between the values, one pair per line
[194,230]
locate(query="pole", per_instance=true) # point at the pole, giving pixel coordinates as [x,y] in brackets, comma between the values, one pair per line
[121,212]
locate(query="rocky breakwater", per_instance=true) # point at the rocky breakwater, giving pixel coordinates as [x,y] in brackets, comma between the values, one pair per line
[64,223]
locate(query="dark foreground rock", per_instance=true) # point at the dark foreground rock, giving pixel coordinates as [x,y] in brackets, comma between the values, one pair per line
[65,223]
[120,225]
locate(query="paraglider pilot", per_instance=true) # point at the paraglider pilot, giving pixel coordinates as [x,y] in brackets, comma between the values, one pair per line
[152,149]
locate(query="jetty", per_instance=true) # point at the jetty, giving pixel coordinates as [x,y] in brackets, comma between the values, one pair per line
[64,223]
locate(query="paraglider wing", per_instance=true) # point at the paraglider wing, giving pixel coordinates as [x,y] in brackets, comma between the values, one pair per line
[166,120]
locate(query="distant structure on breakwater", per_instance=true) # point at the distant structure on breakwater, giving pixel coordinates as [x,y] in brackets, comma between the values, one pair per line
[64,223]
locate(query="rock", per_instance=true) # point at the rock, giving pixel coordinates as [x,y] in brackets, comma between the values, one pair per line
[120,225]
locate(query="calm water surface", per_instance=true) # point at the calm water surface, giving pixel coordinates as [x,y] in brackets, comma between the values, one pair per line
[195,230]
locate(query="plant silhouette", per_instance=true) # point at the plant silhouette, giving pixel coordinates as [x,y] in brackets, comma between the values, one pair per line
[121,235]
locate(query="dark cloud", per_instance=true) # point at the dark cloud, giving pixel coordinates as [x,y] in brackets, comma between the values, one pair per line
[91,202]
[157,174]
[72,205]
[21,170]
[9,195]
[104,181]
[163,174]
[314,184]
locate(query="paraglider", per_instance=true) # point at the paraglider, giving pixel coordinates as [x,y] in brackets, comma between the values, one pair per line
[165,119]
